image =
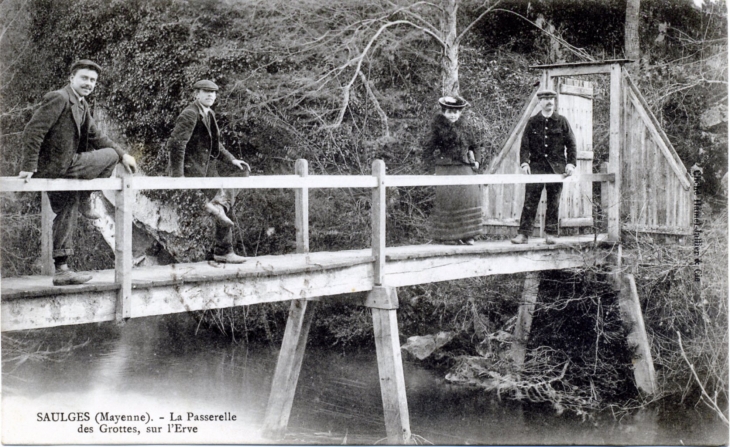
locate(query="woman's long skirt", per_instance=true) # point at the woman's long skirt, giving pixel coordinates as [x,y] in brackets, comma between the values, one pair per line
[457,209]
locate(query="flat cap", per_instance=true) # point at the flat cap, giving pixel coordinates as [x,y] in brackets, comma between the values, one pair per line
[205,85]
[87,64]
[451,102]
[547,93]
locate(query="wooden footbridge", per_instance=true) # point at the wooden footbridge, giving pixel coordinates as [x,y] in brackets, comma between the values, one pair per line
[302,277]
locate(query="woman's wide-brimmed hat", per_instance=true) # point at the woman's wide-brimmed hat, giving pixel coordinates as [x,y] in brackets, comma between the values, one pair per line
[453,102]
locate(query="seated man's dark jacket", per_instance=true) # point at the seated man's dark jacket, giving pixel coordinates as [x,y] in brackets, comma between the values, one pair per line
[59,129]
[194,147]
[545,144]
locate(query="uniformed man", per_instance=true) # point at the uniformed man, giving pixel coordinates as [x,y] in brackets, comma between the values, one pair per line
[548,147]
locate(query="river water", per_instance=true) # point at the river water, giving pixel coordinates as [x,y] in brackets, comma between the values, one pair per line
[162,376]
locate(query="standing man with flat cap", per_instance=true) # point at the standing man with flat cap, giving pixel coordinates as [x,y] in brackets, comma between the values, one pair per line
[548,147]
[62,141]
[195,149]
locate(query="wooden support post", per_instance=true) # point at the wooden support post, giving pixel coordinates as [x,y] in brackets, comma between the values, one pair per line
[524,318]
[546,80]
[630,308]
[383,302]
[301,313]
[288,367]
[604,199]
[123,204]
[47,268]
[614,153]
[301,204]
[378,222]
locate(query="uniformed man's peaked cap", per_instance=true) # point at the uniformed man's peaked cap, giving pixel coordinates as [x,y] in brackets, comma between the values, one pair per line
[547,93]
[451,102]
[85,63]
[205,85]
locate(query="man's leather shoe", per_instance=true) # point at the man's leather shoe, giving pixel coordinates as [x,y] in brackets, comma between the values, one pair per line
[87,211]
[219,213]
[66,277]
[551,239]
[230,258]
[520,239]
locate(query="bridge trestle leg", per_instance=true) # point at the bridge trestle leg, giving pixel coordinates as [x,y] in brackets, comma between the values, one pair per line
[524,318]
[630,308]
[288,367]
[383,302]
[633,320]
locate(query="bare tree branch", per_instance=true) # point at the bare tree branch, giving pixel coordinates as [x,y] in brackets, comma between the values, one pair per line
[381,113]
[361,57]
[575,50]
[475,21]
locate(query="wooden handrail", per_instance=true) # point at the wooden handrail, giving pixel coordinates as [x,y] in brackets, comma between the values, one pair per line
[13,184]
[491,179]
[301,182]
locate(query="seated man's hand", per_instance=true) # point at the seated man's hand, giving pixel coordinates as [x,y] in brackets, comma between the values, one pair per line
[240,164]
[569,170]
[475,166]
[26,175]
[525,169]
[129,163]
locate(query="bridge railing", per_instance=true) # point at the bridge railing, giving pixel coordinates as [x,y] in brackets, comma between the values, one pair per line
[301,182]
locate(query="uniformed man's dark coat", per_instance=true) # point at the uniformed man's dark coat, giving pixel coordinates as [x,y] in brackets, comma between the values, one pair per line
[548,144]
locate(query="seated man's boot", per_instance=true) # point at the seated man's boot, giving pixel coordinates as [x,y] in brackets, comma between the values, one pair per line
[219,213]
[520,239]
[551,239]
[230,258]
[86,209]
[65,277]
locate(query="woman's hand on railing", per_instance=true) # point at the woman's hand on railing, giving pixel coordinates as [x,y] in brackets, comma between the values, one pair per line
[26,175]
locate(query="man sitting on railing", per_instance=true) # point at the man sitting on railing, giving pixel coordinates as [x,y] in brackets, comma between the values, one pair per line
[545,142]
[62,141]
[195,148]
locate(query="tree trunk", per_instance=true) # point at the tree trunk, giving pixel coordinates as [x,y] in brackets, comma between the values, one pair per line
[631,32]
[450,60]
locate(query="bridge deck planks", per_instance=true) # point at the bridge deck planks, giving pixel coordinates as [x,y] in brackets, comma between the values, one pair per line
[33,302]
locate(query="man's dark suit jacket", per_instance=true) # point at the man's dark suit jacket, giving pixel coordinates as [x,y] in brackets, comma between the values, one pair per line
[58,130]
[545,143]
[195,146]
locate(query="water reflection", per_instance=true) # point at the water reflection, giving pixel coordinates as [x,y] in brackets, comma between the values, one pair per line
[159,366]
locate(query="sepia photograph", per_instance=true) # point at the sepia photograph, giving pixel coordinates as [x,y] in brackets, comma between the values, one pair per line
[367,222]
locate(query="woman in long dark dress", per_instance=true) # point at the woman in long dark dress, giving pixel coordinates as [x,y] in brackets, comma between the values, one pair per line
[453,149]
